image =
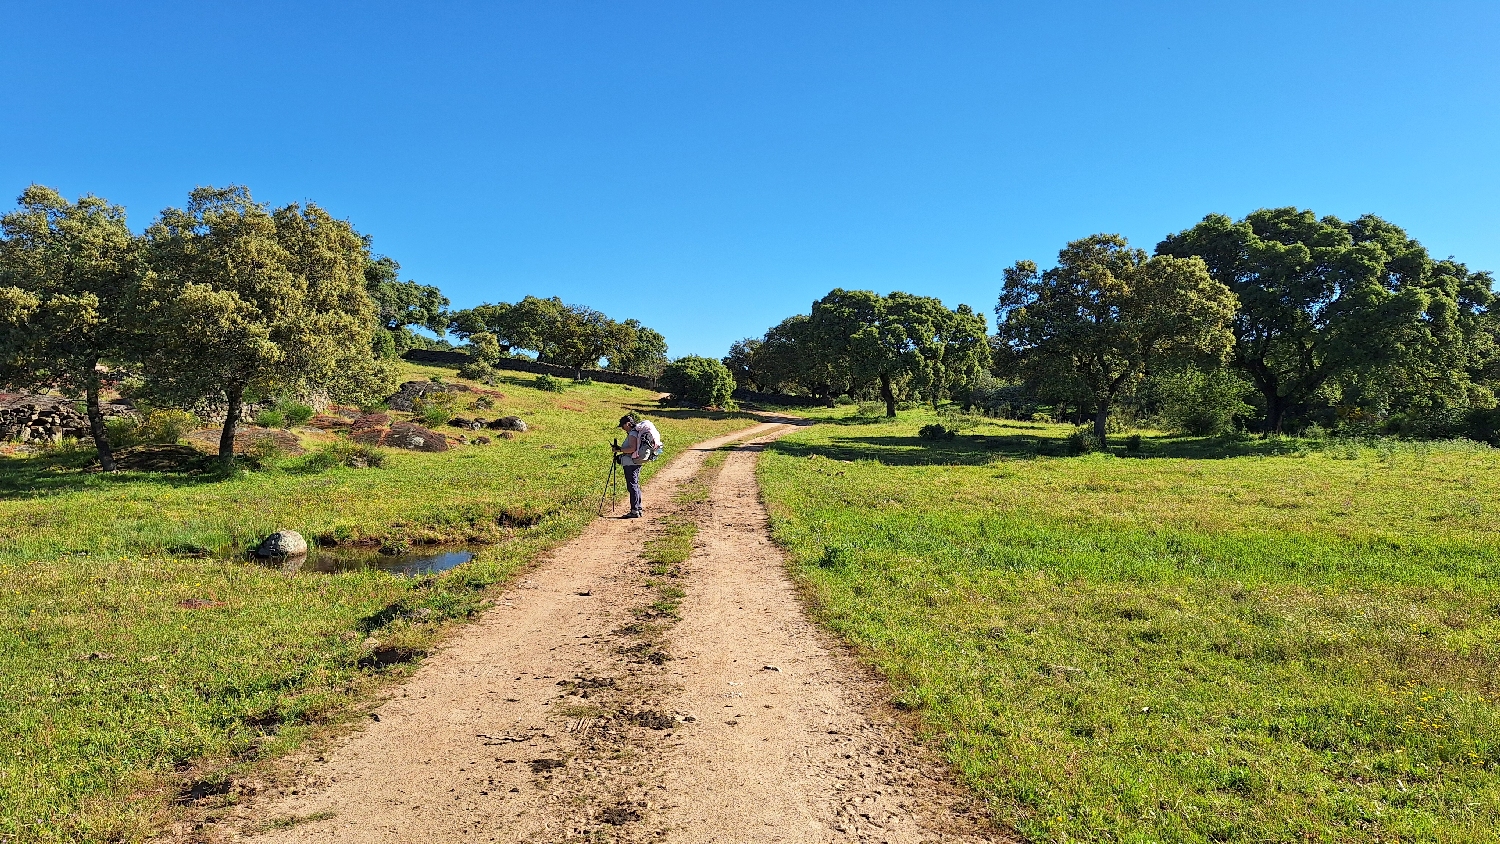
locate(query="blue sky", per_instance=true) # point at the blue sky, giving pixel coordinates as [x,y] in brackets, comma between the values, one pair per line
[711,168]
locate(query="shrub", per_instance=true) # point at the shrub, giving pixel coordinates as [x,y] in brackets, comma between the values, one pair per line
[121,431]
[343,453]
[701,381]
[550,384]
[166,427]
[270,418]
[935,431]
[870,408]
[435,414]
[1083,441]
[1133,443]
[998,398]
[1202,404]
[478,370]
[296,413]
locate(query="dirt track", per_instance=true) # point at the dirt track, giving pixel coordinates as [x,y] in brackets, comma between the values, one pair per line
[571,712]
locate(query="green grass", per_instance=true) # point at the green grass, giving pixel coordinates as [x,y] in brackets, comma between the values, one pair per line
[1227,640]
[114,694]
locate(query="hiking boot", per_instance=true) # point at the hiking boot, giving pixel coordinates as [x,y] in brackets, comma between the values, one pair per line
[633,514]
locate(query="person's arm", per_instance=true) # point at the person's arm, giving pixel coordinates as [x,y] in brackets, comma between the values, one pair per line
[632,442]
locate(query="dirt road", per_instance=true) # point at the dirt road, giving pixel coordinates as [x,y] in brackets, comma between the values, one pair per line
[581,709]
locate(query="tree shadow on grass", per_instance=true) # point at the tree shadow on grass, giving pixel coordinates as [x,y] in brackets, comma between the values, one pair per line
[983,449]
[44,475]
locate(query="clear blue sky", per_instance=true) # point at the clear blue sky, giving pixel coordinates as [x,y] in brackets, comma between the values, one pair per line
[711,168]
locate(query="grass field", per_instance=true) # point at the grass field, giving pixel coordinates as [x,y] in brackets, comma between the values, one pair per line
[129,674]
[1210,641]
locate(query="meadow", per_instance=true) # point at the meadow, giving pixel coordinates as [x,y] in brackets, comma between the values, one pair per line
[144,662]
[1203,640]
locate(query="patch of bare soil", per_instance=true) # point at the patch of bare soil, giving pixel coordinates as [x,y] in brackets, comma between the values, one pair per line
[582,709]
[246,440]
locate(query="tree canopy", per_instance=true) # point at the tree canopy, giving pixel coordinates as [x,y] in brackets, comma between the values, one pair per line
[258,300]
[1090,325]
[1358,308]
[571,335]
[68,279]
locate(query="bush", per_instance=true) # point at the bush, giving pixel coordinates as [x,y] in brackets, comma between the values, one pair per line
[698,380]
[435,415]
[270,418]
[550,384]
[296,413]
[166,427]
[1202,404]
[477,370]
[1083,441]
[435,408]
[935,431]
[343,454]
[1133,443]
[121,431]
[998,398]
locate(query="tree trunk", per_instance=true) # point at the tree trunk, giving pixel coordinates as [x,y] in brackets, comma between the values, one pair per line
[1276,414]
[888,394]
[96,421]
[236,395]
[1101,422]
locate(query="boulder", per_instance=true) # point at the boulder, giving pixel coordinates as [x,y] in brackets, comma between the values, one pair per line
[282,543]
[413,390]
[509,423]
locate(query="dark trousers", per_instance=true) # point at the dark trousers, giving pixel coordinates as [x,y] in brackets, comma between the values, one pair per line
[633,485]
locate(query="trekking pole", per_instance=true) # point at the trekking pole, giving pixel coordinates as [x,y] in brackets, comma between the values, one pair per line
[610,485]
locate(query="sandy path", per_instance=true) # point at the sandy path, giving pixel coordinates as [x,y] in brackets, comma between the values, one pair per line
[573,711]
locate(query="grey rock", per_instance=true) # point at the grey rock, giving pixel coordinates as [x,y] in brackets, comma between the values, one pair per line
[282,543]
[509,423]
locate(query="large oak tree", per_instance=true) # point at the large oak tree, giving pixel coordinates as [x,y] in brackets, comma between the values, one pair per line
[246,299]
[1095,322]
[68,279]
[1323,300]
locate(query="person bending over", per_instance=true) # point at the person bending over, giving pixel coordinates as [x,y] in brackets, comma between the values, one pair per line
[642,443]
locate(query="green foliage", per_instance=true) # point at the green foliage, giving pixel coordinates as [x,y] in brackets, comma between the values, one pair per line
[1088,328]
[342,454]
[69,275]
[1083,440]
[253,300]
[436,408]
[399,304]
[936,431]
[297,413]
[550,384]
[1200,403]
[270,417]
[1225,640]
[1359,306]
[121,431]
[698,381]
[479,371]
[571,335]
[166,426]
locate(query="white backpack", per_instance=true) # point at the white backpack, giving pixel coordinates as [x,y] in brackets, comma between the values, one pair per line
[651,438]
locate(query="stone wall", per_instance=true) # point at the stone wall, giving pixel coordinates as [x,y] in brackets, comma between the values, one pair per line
[39,419]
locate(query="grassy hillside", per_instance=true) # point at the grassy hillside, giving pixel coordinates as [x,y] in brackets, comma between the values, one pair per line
[1207,641]
[128,673]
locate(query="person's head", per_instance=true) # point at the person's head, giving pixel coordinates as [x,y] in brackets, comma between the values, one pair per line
[627,422]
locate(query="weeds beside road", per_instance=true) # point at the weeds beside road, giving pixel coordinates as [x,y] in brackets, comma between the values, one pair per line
[1219,641]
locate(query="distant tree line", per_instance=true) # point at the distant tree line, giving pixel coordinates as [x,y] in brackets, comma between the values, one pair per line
[226,301]
[568,335]
[1274,323]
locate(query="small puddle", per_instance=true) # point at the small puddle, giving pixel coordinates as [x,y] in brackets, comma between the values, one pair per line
[430,561]
[328,560]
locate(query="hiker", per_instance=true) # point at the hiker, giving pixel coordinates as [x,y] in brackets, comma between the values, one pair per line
[642,443]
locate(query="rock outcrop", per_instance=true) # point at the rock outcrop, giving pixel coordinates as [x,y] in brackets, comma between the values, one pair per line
[413,390]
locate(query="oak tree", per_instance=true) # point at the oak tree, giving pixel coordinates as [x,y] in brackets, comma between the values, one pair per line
[1094,323]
